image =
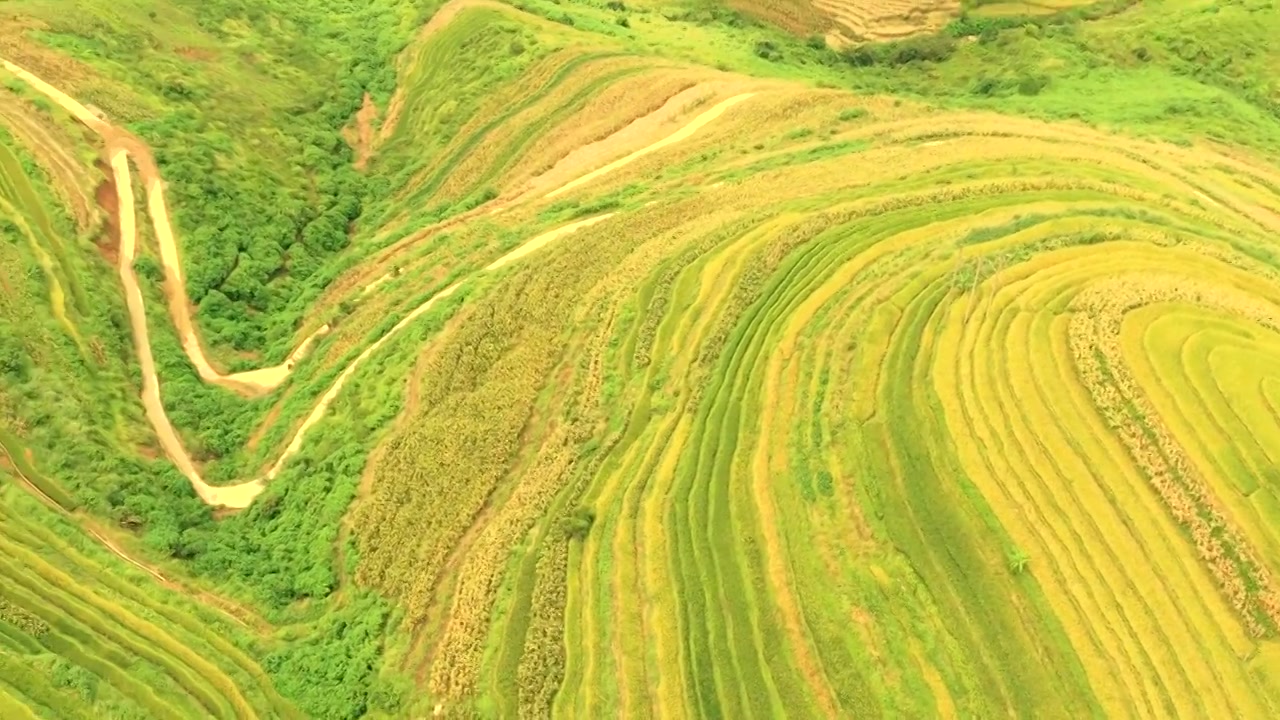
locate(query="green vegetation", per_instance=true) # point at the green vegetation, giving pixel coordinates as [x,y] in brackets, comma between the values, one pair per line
[660,362]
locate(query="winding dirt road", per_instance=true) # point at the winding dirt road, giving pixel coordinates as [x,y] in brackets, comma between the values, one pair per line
[122,147]
[248,383]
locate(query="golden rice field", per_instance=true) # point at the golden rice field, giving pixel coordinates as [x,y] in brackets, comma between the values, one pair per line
[846,21]
[677,392]
[864,406]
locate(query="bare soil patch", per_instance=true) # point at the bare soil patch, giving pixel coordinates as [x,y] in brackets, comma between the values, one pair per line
[198,54]
[109,202]
[360,137]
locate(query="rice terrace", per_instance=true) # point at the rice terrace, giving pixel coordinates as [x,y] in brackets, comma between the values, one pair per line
[659,358]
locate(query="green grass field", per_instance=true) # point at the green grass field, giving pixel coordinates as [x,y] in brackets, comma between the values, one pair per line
[638,359]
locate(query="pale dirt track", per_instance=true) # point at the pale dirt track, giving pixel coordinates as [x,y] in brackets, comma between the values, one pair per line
[683,133]
[250,382]
[121,147]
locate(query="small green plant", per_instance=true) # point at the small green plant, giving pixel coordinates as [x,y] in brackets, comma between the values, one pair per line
[768,50]
[1018,561]
[578,523]
[147,267]
[854,113]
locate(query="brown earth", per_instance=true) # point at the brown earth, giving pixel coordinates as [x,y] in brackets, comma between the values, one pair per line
[124,147]
[360,138]
[198,54]
[109,202]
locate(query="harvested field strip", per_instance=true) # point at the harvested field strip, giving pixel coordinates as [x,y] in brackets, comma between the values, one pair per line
[560,67]
[51,263]
[19,189]
[1168,356]
[598,676]
[1053,516]
[881,20]
[1243,577]
[560,108]
[609,112]
[26,681]
[79,644]
[52,150]
[681,134]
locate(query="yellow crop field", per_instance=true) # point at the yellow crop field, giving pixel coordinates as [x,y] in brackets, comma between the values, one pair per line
[934,340]
[480,359]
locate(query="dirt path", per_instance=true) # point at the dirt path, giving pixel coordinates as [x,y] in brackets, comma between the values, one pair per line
[683,133]
[122,147]
[248,383]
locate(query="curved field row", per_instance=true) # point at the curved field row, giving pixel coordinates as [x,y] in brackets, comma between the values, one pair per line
[28,217]
[241,495]
[879,21]
[1038,7]
[805,405]
[49,144]
[131,651]
[817,432]
[799,17]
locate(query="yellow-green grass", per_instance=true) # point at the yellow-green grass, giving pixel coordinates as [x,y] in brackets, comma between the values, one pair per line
[28,217]
[139,648]
[1183,356]
[444,106]
[1039,7]
[1070,517]
[520,81]
[802,427]
[843,460]
[54,150]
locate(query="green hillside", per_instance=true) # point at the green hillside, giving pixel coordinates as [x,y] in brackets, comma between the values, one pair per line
[552,358]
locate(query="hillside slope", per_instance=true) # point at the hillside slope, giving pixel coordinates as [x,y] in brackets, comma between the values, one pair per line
[587,359]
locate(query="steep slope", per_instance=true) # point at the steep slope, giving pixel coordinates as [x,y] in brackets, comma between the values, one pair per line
[646,369]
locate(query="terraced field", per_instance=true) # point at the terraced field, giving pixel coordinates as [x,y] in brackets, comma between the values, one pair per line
[79,639]
[644,388]
[808,394]
[868,20]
